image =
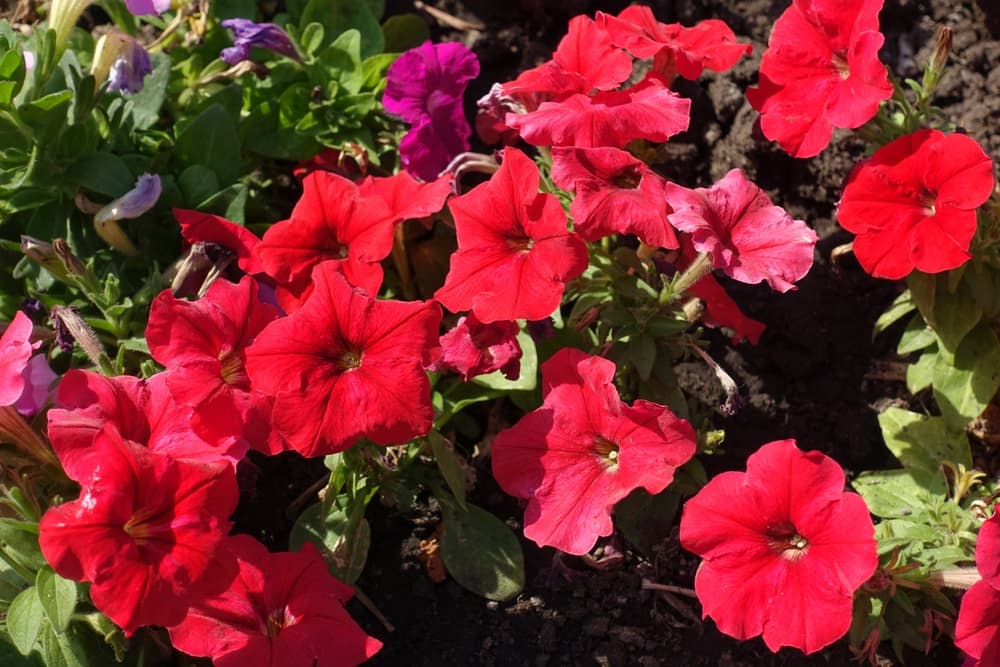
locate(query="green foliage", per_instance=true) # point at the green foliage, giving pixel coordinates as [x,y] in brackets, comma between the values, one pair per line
[480,551]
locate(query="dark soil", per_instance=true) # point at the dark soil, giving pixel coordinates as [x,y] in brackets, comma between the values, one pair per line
[816,375]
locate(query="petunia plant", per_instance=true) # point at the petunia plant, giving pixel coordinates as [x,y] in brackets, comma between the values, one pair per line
[252,235]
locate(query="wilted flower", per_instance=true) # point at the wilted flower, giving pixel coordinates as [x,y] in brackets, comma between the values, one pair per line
[247,35]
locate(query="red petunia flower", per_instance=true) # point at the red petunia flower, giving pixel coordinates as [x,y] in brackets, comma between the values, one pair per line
[674,48]
[749,238]
[587,50]
[976,630]
[473,348]
[584,450]
[406,197]
[202,343]
[143,411]
[647,110]
[330,223]
[821,70]
[145,532]
[346,366]
[722,311]
[913,204]
[615,194]
[515,254]
[282,610]
[784,548]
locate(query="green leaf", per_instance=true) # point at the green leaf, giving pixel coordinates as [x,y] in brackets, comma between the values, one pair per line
[77,647]
[232,9]
[198,184]
[58,597]
[481,552]
[447,463]
[955,315]
[146,104]
[922,443]
[984,284]
[211,140]
[893,493]
[920,375]
[342,540]
[528,377]
[103,173]
[923,288]
[646,520]
[20,540]
[642,354]
[916,336]
[312,38]
[373,71]
[403,32]
[965,387]
[898,309]
[339,17]
[24,620]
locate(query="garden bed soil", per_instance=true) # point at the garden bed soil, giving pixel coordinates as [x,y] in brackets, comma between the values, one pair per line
[816,375]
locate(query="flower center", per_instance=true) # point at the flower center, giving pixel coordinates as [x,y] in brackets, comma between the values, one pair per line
[233,371]
[629,179]
[139,527]
[521,243]
[607,451]
[787,542]
[278,620]
[840,64]
[350,359]
[929,201]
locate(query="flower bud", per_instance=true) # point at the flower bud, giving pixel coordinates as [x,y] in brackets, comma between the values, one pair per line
[942,47]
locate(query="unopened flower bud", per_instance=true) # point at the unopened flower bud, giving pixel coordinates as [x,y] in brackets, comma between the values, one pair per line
[71,327]
[69,260]
[942,47]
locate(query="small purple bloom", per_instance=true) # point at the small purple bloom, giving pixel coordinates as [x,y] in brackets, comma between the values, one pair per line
[130,68]
[424,87]
[38,379]
[133,203]
[247,35]
[141,7]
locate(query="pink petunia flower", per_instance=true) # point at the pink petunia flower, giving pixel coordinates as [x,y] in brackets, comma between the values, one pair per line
[424,87]
[472,348]
[282,610]
[515,254]
[821,70]
[615,194]
[145,532]
[675,49]
[584,450]
[913,203]
[346,366]
[784,548]
[976,630]
[749,238]
[15,351]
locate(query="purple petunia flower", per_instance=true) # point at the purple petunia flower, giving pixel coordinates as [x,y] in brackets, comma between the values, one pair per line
[133,203]
[424,87]
[247,35]
[130,68]
[141,7]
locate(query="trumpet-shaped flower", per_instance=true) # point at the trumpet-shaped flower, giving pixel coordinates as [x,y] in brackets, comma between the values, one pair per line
[821,70]
[424,87]
[913,204]
[514,251]
[615,194]
[675,49]
[346,366]
[247,35]
[977,630]
[282,610]
[784,548]
[749,238]
[203,345]
[145,532]
[584,450]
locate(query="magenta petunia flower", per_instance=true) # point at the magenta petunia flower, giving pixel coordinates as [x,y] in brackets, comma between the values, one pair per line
[584,450]
[784,548]
[424,87]
[282,610]
[749,238]
[473,348]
